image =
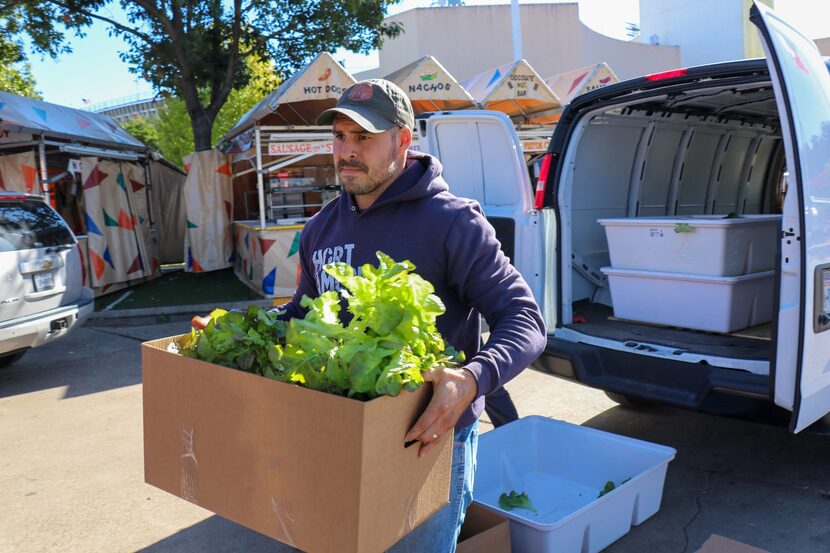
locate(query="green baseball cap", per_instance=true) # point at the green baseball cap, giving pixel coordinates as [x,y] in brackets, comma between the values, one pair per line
[377,105]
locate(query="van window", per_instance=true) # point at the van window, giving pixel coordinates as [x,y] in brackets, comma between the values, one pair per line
[26,224]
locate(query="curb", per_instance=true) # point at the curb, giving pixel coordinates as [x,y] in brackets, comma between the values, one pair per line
[200,309]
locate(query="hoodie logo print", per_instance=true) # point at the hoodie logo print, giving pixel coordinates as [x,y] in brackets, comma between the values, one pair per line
[324,256]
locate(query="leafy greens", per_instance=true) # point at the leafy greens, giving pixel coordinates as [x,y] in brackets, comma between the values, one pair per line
[515,501]
[391,339]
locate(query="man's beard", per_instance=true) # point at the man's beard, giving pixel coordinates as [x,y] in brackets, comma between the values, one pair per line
[371,183]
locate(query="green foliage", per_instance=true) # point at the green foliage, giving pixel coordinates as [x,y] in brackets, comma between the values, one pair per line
[174,133]
[390,340]
[43,24]
[516,501]
[15,74]
[143,129]
[196,50]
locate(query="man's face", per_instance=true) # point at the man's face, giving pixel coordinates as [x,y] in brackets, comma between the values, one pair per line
[365,161]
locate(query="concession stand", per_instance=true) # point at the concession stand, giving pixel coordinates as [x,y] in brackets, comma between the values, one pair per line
[572,83]
[517,90]
[103,181]
[430,87]
[514,89]
[281,173]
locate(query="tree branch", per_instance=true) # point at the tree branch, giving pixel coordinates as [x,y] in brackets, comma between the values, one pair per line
[218,100]
[145,37]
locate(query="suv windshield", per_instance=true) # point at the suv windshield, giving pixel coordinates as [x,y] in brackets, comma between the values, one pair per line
[26,224]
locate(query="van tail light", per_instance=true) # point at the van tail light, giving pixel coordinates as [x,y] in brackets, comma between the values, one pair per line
[667,75]
[539,200]
[83,265]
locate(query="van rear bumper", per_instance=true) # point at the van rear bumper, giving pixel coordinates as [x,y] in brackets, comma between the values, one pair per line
[667,381]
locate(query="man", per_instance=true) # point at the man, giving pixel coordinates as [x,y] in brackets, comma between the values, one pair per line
[395,201]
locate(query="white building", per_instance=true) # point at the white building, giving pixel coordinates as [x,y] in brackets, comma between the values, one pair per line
[706,31]
[469,40]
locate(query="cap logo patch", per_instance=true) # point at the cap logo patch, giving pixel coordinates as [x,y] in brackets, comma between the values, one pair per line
[361,92]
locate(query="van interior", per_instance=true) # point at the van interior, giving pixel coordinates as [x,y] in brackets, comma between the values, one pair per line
[712,151]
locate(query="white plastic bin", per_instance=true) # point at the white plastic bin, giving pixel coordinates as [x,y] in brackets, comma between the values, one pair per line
[716,304]
[699,245]
[563,467]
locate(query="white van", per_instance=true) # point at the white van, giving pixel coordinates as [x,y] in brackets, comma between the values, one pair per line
[679,236]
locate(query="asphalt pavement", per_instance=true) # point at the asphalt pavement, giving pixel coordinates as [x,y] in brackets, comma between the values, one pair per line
[71,461]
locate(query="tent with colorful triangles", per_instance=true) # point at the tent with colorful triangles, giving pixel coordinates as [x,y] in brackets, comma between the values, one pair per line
[95,174]
[430,87]
[208,202]
[18,173]
[515,89]
[120,247]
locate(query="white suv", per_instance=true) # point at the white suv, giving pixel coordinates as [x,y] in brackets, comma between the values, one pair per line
[43,295]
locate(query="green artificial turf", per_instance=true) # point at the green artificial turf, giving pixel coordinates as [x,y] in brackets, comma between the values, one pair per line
[181,288]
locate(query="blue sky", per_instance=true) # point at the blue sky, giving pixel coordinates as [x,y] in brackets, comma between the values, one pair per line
[94,71]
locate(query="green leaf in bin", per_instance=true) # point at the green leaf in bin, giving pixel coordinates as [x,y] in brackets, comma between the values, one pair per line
[683,227]
[516,501]
[609,486]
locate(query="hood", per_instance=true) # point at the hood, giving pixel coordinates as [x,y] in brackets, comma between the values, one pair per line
[421,178]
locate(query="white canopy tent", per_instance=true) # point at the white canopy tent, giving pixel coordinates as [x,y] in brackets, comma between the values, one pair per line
[572,83]
[430,87]
[514,89]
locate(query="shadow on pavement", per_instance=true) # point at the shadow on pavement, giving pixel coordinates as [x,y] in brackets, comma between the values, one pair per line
[87,361]
[217,535]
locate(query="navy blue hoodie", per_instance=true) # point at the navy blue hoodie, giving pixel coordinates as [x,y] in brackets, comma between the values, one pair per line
[452,246]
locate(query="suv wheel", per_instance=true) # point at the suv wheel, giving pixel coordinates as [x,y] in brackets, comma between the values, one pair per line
[7,360]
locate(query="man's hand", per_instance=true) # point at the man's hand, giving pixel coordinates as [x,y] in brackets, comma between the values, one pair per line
[199,323]
[453,391]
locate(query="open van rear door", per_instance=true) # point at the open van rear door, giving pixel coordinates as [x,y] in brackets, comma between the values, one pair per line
[482,158]
[802,91]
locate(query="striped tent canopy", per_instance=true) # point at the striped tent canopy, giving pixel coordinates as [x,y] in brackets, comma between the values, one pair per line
[430,87]
[515,89]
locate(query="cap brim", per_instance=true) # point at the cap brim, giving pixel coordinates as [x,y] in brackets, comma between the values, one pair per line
[369,121]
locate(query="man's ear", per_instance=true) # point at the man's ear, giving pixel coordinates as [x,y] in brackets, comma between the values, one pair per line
[405,138]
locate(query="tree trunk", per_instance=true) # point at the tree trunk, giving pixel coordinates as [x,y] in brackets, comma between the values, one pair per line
[202,126]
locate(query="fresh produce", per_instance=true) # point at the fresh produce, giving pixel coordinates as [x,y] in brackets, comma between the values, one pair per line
[515,501]
[610,486]
[390,340]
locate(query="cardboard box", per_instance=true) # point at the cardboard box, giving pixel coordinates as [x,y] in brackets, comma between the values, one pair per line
[484,531]
[319,472]
[720,544]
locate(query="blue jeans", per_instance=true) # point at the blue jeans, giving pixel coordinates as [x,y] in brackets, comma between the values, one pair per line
[439,532]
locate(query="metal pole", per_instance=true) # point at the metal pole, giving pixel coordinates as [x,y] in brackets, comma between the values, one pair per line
[259,185]
[44,174]
[517,29]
